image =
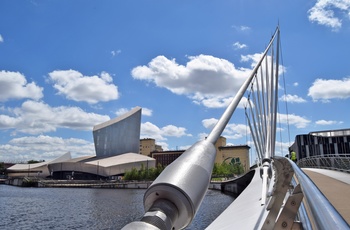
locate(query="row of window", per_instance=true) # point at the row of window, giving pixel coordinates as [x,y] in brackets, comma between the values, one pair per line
[324,149]
[312,140]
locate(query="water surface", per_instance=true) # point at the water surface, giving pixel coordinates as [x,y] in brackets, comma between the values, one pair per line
[87,208]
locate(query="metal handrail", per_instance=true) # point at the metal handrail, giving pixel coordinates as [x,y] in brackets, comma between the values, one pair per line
[316,210]
[334,162]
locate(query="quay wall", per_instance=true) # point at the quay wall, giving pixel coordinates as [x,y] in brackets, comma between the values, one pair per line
[233,187]
[32,182]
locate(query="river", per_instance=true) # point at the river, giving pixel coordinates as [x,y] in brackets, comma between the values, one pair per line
[87,208]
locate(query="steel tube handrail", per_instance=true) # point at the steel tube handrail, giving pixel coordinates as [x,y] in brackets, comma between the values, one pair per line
[339,162]
[321,213]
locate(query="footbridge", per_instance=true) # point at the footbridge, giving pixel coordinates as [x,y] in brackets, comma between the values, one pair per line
[280,194]
[314,198]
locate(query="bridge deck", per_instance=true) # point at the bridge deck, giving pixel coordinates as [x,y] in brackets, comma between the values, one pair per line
[335,186]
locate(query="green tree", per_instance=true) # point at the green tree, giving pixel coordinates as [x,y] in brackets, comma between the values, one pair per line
[143,173]
[227,169]
[32,162]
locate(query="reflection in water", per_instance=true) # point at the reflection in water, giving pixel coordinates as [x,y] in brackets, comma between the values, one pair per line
[81,208]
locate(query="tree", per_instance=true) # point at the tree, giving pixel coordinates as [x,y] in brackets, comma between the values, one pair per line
[228,169]
[143,173]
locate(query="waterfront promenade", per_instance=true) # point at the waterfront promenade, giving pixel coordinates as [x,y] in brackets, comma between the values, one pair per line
[335,185]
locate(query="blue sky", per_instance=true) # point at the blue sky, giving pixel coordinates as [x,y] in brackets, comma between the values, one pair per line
[66,66]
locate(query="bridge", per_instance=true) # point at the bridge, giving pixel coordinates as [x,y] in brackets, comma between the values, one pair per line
[280,195]
[328,194]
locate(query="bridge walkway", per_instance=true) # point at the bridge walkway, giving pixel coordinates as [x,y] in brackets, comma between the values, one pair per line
[335,186]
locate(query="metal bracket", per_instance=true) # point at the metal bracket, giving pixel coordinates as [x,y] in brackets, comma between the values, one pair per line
[283,176]
[287,216]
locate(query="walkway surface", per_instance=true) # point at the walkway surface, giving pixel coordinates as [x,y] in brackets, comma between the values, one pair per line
[335,186]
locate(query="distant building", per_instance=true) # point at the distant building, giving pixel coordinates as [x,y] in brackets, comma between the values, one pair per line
[95,168]
[232,153]
[37,169]
[228,154]
[320,143]
[165,158]
[148,145]
[119,135]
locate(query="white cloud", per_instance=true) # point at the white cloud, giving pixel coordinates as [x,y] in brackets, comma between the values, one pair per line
[292,99]
[205,79]
[121,111]
[115,52]
[238,45]
[242,28]
[173,131]
[293,119]
[325,90]
[216,102]
[145,111]
[281,148]
[209,123]
[37,117]
[149,130]
[295,84]
[236,131]
[44,148]
[164,145]
[13,85]
[1,38]
[329,122]
[329,13]
[232,131]
[91,89]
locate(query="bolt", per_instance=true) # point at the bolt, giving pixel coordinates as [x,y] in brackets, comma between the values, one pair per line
[293,203]
[284,224]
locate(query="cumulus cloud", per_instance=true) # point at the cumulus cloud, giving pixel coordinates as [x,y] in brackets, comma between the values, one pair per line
[115,52]
[239,46]
[209,123]
[205,79]
[1,39]
[292,98]
[325,90]
[330,13]
[91,89]
[232,131]
[329,122]
[121,111]
[44,147]
[236,131]
[149,130]
[242,28]
[37,117]
[13,85]
[145,111]
[292,119]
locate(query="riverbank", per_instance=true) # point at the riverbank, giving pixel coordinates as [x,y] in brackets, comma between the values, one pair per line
[233,186]
[40,183]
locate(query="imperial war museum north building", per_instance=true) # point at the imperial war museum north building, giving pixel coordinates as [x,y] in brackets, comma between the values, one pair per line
[119,135]
[117,144]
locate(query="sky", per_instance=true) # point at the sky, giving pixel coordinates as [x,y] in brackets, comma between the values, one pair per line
[66,66]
